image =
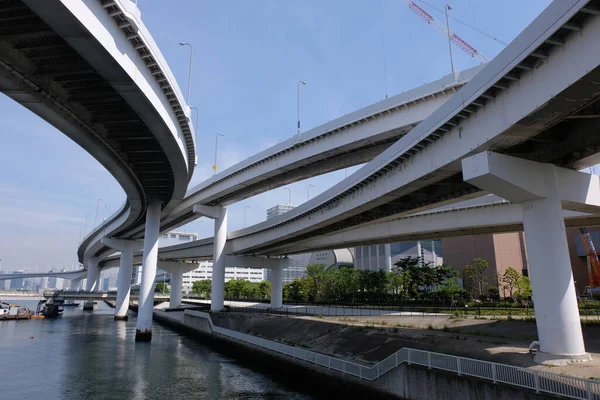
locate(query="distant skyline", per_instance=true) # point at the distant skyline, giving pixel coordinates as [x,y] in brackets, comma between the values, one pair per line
[248,58]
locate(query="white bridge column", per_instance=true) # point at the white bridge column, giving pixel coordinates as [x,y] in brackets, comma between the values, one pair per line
[126,247]
[217,302]
[542,189]
[176,269]
[277,287]
[176,288]
[219,214]
[143,330]
[92,282]
[124,284]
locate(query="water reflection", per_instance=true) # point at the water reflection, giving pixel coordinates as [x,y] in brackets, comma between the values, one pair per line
[83,356]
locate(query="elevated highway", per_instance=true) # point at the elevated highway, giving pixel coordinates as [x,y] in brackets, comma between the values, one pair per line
[484,215]
[71,275]
[353,139]
[532,101]
[91,69]
[531,112]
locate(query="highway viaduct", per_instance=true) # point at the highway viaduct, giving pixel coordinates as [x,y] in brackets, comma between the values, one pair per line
[530,109]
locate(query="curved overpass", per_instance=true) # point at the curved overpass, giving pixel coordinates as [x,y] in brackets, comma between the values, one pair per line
[535,107]
[353,139]
[91,68]
[522,103]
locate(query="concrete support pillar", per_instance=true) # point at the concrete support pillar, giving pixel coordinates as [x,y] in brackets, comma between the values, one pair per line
[554,298]
[92,281]
[218,273]
[126,247]
[543,190]
[143,330]
[176,287]
[277,287]
[124,284]
[387,250]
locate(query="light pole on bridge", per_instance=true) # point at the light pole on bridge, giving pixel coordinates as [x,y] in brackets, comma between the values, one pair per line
[196,123]
[190,71]
[289,190]
[97,205]
[86,220]
[308,191]
[304,83]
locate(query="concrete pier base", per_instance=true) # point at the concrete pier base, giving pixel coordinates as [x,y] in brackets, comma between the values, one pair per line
[143,336]
[121,318]
[88,305]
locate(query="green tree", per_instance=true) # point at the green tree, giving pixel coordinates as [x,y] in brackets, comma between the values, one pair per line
[202,288]
[475,276]
[161,287]
[316,280]
[523,287]
[264,290]
[297,290]
[494,293]
[510,278]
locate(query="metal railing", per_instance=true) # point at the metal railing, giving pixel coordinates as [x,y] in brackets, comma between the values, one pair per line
[540,381]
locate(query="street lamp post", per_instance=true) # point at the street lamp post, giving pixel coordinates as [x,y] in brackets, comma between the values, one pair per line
[190,71]
[86,220]
[245,208]
[304,83]
[447,8]
[196,122]
[98,204]
[216,145]
[308,191]
[289,190]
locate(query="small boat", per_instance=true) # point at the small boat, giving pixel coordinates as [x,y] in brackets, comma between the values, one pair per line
[70,303]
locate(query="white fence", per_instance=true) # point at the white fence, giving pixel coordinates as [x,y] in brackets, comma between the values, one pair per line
[540,381]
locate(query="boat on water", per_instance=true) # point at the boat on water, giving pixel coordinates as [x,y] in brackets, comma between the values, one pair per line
[13,311]
[70,303]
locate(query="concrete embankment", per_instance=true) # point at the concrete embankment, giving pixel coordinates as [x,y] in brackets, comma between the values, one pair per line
[354,343]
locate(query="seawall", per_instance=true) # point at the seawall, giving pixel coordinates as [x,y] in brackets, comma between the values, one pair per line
[403,382]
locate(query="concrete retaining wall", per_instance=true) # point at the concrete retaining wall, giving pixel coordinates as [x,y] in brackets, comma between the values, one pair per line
[404,382]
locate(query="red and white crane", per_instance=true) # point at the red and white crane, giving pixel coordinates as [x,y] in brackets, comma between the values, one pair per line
[453,37]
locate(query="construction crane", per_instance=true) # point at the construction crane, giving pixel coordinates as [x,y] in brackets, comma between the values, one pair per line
[454,38]
[592,258]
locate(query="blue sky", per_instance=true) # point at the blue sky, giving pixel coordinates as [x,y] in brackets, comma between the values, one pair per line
[248,57]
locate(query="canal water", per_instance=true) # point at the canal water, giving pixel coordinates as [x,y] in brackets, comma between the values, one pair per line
[83,355]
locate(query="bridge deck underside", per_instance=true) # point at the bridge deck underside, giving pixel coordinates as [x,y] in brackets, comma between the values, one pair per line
[39,66]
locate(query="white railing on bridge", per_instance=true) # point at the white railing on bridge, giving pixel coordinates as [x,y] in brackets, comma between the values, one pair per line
[540,381]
